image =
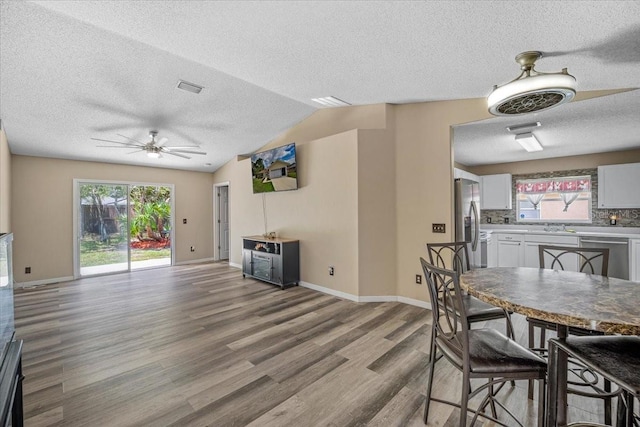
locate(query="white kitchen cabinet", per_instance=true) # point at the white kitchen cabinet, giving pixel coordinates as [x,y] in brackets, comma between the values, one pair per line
[618,186]
[635,260]
[492,252]
[510,250]
[495,191]
[531,251]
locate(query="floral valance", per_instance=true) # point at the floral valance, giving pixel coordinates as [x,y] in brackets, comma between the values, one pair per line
[572,184]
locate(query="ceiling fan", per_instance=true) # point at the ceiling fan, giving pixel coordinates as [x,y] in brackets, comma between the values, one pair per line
[154,148]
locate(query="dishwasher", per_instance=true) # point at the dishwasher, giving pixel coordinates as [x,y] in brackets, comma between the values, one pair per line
[618,253]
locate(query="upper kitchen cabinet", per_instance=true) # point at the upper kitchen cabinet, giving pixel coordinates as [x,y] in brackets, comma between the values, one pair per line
[618,186]
[495,191]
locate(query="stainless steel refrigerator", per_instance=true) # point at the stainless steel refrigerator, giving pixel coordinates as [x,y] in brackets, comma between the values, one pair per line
[467,217]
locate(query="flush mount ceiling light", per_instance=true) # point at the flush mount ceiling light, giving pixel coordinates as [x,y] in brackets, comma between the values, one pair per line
[528,141]
[531,91]
[330,101]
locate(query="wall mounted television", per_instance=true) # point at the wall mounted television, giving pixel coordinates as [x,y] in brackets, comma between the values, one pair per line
[275,169]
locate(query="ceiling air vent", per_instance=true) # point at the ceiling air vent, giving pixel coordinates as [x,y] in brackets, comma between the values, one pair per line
[330,101]
[189,87]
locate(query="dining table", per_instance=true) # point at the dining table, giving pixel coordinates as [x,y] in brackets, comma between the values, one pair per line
[567,298]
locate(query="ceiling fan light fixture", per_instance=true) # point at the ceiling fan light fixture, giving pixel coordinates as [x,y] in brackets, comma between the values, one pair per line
[153,154]
[532,91]
[528,141]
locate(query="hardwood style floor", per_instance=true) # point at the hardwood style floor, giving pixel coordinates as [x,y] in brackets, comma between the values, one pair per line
[199,345]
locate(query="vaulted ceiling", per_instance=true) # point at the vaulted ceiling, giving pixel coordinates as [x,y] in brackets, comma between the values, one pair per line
[75,70]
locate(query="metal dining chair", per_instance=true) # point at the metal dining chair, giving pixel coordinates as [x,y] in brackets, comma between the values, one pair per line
[585,260]
[455,256]
[481,353]
[616,358]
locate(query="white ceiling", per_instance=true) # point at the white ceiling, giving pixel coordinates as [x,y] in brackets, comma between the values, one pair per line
[73,70]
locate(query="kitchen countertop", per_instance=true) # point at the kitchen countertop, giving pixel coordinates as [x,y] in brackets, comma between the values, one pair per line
[629,232]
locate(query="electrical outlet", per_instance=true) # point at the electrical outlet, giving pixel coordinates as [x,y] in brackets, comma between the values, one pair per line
[488,220]
[27,270]
[438,228]
[184,220]
[331,271]
[193,249]
[506,220]
[419,279]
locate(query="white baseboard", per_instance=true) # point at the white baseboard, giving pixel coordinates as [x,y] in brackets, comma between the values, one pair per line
[195,261]
[42,282]
[416,302]
[233,264]
[356,298]
[329,291]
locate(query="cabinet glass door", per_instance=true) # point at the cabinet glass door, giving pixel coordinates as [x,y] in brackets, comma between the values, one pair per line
[262,266]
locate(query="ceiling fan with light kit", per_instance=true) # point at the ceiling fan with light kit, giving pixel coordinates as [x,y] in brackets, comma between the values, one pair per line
[155,148]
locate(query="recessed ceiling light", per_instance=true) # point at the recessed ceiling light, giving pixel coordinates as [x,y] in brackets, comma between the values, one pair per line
[528,141]
[330,101]
[189,87]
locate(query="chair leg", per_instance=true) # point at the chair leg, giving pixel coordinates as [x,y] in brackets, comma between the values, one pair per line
[607,403]
[532,344]
[511,334]
[464,402]
[542,383]
[492,403]
[432,366]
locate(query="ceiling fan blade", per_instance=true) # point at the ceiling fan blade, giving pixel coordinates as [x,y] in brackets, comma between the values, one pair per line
[171,147]
[162,141]
[176,154]
[118,142]
[186,151]
[131,139]
[115,146]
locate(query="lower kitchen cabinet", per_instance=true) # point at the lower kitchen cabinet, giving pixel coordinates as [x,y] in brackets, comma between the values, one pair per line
[510,250]
[531,251]
[635,260]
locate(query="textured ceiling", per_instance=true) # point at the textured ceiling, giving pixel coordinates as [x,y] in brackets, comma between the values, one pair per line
[72,70]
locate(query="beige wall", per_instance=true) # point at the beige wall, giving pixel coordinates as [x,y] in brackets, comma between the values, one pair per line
[371,226]
[424,180]
[42,208]
[5,184]
[376,213]
[559,164]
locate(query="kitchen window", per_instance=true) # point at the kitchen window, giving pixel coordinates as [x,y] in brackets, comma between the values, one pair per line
[558,199]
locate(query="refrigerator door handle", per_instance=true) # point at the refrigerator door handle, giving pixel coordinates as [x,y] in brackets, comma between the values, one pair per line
[476,231]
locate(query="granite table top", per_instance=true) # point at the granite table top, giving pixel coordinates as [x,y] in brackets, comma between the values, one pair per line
[569,298]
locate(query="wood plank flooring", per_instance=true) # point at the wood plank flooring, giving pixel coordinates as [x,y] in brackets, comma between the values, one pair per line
[199,345]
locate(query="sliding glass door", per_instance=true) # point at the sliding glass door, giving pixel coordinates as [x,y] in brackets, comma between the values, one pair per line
[150,226]
[122,227]
[103,237]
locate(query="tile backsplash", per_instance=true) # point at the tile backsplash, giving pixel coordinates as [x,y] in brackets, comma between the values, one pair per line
[600,217]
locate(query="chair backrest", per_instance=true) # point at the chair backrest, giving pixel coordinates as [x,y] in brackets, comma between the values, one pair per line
[452,256]
[585,260]
[447,309]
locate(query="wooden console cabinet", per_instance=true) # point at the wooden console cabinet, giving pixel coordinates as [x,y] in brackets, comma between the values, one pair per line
[274,260]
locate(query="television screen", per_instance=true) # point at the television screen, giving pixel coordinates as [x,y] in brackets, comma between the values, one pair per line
[275,169]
